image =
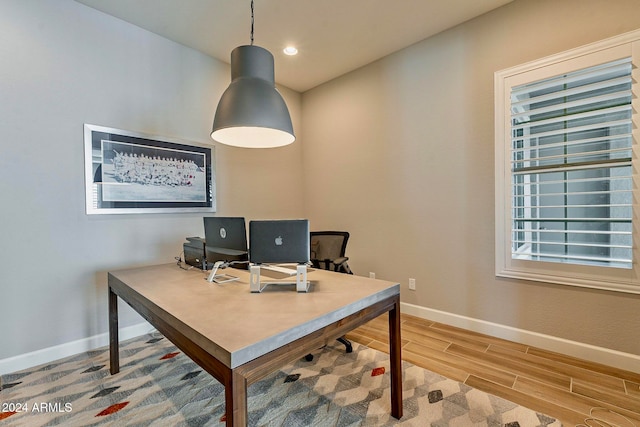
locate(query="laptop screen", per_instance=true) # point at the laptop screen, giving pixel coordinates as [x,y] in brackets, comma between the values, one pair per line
[279,241]
[226,238]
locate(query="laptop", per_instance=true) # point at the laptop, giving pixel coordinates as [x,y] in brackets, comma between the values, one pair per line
[279,241]
[225,238]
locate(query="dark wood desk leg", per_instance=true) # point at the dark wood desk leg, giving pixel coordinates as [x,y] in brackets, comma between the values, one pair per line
[395,345]
[235,393]
[114,344]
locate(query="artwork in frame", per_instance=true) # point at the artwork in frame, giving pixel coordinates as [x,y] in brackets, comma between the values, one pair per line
[129,172]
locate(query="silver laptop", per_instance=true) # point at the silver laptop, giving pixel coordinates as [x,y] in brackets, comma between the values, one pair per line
[279,241]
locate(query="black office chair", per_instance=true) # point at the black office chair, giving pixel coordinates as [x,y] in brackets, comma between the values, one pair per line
[328,249]
[327,253]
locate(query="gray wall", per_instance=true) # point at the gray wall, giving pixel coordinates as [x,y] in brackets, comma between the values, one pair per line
[63,65]
[401,154]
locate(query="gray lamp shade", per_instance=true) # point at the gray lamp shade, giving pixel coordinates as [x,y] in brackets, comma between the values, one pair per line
[251,112]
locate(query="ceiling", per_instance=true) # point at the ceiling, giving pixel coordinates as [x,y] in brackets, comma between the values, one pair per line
[333,37]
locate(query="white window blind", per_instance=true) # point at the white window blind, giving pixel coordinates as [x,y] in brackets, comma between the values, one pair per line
[571,167]
[566,147]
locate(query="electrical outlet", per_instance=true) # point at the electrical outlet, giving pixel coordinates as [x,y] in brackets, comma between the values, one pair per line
[412,284]
[372,275]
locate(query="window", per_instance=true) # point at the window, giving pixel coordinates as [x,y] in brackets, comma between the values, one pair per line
[566,131]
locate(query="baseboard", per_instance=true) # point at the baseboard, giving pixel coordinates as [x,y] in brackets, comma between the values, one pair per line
[618,359]
[46,355]
[605,356]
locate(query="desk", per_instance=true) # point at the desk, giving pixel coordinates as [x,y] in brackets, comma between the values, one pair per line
[240,337]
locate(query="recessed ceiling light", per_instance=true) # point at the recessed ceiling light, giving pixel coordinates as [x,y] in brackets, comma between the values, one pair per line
[290,50]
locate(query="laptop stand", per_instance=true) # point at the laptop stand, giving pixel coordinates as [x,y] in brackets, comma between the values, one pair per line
[214,277]
[301,282]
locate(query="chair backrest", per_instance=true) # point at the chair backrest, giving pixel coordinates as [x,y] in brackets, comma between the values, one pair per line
[327,246]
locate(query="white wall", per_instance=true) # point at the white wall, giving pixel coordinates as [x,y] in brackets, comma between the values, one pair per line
[401,154]
[63,65]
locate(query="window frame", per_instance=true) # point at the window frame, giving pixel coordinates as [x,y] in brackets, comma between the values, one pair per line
[590,276]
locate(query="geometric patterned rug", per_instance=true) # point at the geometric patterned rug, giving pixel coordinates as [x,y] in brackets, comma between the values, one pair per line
[159,386]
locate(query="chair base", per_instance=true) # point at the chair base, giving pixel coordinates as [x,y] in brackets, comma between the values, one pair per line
[343,340]
[347,344]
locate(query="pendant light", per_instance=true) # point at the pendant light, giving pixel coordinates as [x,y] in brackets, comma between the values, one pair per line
[251,112]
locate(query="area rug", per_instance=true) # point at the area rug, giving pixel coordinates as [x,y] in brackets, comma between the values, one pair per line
[159,386]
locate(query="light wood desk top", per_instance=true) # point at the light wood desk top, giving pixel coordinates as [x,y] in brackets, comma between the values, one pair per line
[238,336]
[237,326]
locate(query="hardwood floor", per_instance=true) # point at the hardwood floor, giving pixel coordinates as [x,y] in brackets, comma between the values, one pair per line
[569,389]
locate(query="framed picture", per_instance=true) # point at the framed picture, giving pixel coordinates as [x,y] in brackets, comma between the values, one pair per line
[128,172]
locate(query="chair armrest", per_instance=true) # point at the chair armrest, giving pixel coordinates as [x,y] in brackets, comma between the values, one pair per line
[336,262]
[340,260]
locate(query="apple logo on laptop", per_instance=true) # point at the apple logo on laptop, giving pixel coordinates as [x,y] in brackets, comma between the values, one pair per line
[279,241]
[223,233]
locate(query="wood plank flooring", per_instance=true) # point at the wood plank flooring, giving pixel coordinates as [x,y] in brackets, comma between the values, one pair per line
[569,389]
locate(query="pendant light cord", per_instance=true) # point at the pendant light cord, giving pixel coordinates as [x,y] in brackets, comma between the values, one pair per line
[251,22]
